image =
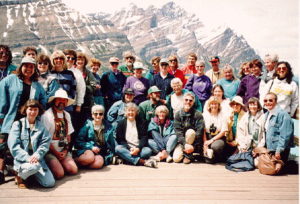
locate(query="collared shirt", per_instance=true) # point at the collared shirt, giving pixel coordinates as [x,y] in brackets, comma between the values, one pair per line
[271,112]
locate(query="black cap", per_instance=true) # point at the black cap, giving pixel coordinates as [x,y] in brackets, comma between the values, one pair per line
[129,91]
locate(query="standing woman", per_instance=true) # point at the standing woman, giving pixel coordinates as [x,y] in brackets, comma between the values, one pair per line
[48,82]
[28,142]
[16,89]
[199,83]
[138,84]
[95,142]
[284,87]
[173,69]
[90,82]
[65,77]
[95,65]
[245,69]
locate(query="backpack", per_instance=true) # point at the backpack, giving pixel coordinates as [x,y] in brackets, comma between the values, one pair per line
[240,162]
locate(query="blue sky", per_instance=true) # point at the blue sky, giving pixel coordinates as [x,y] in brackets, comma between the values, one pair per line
[269,26]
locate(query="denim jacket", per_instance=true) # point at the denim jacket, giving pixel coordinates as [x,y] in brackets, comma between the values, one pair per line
[279,135]
[11,90]
[18,142]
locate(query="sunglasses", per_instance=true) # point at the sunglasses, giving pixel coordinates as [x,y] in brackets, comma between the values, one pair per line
[71,58]
[114,63]
[163,64]
[43,63]
[268,100]
[59,58]
[213,62]
[130,58]
[100,114]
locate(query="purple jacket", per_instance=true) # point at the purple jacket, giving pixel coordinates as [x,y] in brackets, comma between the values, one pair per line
[139,86]
[201,86]
[249,87]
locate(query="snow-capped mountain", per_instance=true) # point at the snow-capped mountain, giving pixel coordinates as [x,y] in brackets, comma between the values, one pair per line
[50,25]
[171,30]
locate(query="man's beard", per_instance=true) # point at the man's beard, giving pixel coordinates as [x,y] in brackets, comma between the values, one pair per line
[129,64]
[60,106]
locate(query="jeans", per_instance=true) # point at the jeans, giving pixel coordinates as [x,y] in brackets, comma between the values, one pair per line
[124,153]
[159,143]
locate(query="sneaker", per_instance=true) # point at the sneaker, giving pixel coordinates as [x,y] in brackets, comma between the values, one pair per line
[116,160]
[210,153]
[151,163]
[186,160]
[169,159]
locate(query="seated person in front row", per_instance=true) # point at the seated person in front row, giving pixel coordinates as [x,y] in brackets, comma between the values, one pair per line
[28,143]
[131,136]
[189,128]
[163,134]
[95,143]
[58,122]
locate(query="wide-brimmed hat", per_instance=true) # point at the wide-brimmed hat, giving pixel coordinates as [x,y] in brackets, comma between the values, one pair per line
[28,60]
[114,59]
[153,89]
[138,65]
[237,99]
[60,93]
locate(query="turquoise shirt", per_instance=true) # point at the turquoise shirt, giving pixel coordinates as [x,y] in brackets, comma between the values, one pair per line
[230,87]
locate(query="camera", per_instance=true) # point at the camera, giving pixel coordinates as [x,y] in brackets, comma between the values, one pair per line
[62,139]
[213,129]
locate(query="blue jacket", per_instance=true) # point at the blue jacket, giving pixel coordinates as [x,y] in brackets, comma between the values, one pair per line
[279,135]
[86,140]
[168,128]
[116,113]
[11,90]
[18,142]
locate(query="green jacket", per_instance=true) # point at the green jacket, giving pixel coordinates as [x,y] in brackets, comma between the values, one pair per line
[147,110]
[123,68]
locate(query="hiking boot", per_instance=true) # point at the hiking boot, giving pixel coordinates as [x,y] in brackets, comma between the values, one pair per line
[116,160]
[186,160]
[151,163]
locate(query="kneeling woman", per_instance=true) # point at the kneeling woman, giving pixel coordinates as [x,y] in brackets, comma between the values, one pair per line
[131,136]
[28,143]
[95,142]
[162,131]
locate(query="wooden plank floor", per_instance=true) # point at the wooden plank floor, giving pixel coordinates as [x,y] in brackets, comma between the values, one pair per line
[170,183]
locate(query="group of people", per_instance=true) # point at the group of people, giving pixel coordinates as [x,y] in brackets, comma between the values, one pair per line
[57,113]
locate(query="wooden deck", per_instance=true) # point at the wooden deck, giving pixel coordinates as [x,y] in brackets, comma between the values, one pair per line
[170,183]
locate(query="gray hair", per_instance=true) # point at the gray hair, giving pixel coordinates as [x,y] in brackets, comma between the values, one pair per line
[162,108]
[175,81]
[189,94]
[98,108]
[272,57]
[200,62]
[228,66]
[131,105]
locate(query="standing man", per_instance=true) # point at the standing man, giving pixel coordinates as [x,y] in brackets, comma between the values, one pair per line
[190,67]
[215,73]
[270,61]
[5,62]
[30,52]
[189,128]
[127,68]
[279,128]
[163,79]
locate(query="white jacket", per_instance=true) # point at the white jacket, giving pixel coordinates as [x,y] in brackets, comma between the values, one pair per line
[287,94]
[243,138]
[80,87]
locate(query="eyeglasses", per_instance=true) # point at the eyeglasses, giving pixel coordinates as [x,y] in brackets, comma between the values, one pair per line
[282,68]
[130,58]
[269,100]
[59,58]
[71,58]
[200,66]
[213,62]
[43,63]
[100,114]
[173,60]
[114,63]
[164,64]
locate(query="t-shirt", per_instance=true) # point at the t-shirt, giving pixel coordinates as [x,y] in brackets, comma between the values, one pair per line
[131,135]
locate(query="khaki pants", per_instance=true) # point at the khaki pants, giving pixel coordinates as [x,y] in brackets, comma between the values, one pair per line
[190,136]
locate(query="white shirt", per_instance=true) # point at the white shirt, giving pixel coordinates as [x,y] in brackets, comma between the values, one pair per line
[176,103]
[131,135]
[80,86]
[219,121]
